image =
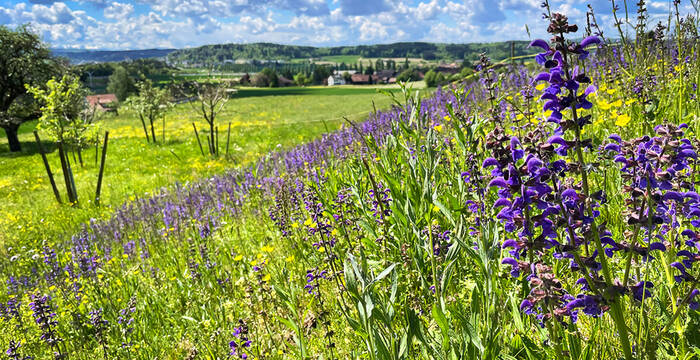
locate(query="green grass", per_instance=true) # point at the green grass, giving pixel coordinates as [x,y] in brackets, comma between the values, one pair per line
[261,120]
[348,59]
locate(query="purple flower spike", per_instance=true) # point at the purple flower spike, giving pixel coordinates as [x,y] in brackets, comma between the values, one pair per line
[612,147]
[510,243]
[540,44]
[569,193]
[589,41]
[657,246]
[673,195]
[501,202]
[526,306]
[509,261]
[557,140]
[693,304]
[500,182]
[590,89]
[642,290]
[489,162]
[616,138]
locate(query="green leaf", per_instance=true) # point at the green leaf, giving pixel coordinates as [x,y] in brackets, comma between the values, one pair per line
[441,320]
[382,275]
[288,323]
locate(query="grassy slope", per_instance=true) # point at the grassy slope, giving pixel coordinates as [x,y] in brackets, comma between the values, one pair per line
[261,119]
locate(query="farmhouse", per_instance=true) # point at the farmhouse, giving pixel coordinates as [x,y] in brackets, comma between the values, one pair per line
[102,102]
[453,68]
[336,80]
[360,79]
[385,76]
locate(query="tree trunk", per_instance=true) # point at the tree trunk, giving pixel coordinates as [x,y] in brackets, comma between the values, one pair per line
[12,139]
[212,137]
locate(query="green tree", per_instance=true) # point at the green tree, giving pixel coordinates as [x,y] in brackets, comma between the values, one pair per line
[66,117]
[152,103]
[320,74]
[430,78]
[301,79]
[120,84]
[24,60]
[408,75]
[379,64]
[210,101]
[271,75]
[260,80]
[64,111]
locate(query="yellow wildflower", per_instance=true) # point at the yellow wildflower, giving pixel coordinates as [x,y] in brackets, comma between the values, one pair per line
[623,120]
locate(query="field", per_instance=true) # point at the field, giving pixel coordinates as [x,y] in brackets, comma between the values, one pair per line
[547,214]
[261,120]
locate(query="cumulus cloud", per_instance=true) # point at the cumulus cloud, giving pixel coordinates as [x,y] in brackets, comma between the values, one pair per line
[134,24]
[118,11]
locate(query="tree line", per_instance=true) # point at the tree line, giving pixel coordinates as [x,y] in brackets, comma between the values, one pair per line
[218,54]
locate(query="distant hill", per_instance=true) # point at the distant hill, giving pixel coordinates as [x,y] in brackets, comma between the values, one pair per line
[217,54]
[223,53]
[100,56]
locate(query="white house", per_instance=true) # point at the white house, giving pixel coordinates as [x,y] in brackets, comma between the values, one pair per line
[336,80]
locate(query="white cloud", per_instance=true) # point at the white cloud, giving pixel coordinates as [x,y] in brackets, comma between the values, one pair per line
[118,11]
[183,23]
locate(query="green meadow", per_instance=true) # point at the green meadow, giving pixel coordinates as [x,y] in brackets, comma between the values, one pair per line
[260,119]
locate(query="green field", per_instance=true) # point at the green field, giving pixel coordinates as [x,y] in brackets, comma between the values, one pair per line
[348,59]
[261,120]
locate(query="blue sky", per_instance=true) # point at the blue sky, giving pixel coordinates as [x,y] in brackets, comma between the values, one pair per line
[143,24]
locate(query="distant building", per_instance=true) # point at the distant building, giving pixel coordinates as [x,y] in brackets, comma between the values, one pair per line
[102,102]
[341,72]
[384,76]
[336,80]
[453,68]
[360,79]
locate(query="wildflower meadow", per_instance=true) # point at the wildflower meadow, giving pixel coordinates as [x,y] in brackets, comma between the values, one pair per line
[539,211]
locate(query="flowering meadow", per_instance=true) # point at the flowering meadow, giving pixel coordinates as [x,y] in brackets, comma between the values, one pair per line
[551,214]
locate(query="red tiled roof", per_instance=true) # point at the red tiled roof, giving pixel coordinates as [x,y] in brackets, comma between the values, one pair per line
[359,78]
[101,99]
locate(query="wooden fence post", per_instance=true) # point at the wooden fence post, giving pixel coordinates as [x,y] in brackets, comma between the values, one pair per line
[102,170]
[228,137]
[48,168]
[196,134]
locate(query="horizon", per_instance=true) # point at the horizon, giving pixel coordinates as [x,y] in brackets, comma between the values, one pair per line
[104,25]
[282,44]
